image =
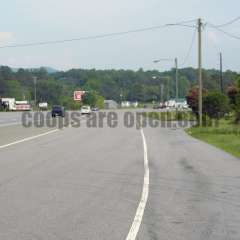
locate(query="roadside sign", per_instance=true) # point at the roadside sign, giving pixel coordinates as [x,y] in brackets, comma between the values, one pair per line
[23,107]
[78,95]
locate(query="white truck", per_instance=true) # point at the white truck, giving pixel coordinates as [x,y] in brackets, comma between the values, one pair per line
[43,106]
[9,104]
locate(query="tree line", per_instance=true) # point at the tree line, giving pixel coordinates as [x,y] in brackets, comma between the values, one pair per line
[217,104]
[140,85]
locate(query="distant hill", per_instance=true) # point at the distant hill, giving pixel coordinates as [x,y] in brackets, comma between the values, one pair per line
[48,69]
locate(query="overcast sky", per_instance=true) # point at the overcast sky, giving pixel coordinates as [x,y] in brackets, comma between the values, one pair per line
[24,21]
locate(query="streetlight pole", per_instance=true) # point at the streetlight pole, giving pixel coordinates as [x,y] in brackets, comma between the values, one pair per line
[121,97]
[162,87]
[162,90]
[176,72]
[176,67]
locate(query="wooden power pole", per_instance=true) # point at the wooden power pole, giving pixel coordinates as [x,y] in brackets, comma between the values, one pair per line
[200,85]
[221,73]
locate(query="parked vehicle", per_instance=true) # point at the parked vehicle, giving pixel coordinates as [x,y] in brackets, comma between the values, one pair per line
[95,109]
[85,110]
[43,106]
[8,104]
[58,111]
[156,106]
[162,105]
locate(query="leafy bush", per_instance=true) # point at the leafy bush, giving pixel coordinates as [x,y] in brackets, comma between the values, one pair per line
[234,96]
[237,109]
[192,98]
[215,105]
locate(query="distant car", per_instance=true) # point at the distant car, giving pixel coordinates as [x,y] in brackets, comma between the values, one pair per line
[85,110]
[43,106]
[156,106]
[162,105]
[58,111]
[95,109]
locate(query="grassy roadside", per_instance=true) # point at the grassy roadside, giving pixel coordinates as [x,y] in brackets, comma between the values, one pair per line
[225,135]
[222,134]
[171,116]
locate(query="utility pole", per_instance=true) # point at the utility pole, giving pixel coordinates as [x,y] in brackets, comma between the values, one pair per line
[168,88]
[200,85]
[35,90]
[176,67]
[176,72]
[162,91]
[221,74]
[161,98]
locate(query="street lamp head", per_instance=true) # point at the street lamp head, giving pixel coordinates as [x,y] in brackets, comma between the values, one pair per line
[163,60]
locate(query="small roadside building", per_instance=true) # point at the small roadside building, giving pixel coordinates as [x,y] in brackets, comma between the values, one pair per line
[110,104]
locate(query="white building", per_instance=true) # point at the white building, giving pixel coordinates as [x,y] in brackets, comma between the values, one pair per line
[134,104]
[110,104]
[125,104]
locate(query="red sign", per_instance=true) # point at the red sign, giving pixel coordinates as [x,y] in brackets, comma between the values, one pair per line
[23,107]
[78,95]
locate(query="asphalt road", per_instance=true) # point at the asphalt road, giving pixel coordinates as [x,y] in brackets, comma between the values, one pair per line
[87,183]
[9,118]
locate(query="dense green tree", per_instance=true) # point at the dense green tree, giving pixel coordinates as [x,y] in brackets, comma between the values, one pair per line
[50,91]
[234,97]
[91,98]
[111,84]
[192,98]
[215,105]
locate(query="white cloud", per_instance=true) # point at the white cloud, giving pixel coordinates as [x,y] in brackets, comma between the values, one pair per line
[5,37]
[213,38]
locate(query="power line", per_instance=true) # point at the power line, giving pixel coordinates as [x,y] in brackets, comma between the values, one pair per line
[223,31]
[97,36]
[228,23]
[183,25]
[187,21]
[190,48]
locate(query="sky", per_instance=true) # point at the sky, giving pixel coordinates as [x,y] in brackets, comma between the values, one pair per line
[27,21]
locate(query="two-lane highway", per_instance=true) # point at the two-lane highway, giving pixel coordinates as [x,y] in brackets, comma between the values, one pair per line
[114,183]
[71,184]
[194,189]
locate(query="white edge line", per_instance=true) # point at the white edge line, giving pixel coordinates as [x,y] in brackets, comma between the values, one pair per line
[145,191]
[28,139]
[9,124]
